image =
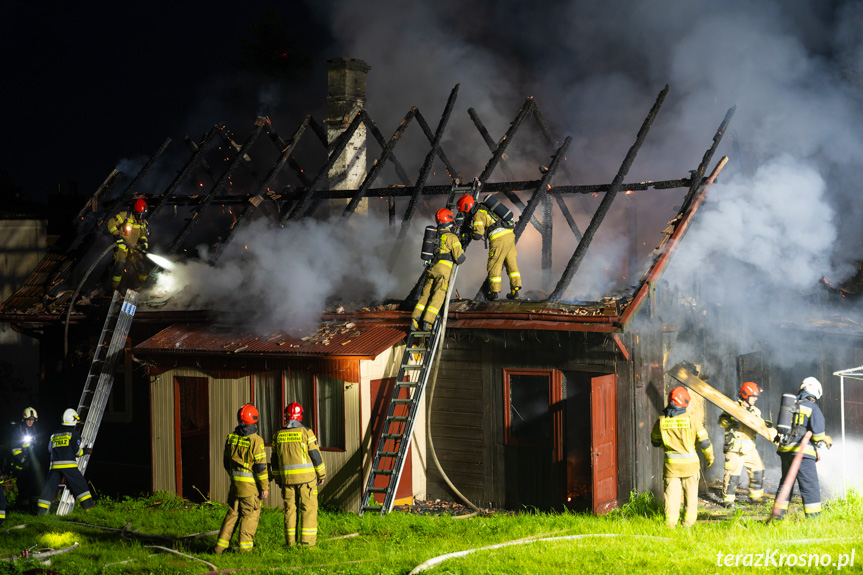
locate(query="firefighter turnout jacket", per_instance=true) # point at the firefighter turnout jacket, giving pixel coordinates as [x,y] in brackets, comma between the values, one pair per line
[296,458]
[123,226]
[436,284]
[245,460]
[65,446]
[738,437]
[807,417]
[678,434]
[501,249]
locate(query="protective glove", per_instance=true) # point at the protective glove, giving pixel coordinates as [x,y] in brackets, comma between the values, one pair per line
[828,441]
[709,460]
[87,451]
[769,424]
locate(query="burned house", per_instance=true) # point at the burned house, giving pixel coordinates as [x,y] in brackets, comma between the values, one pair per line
[545,402]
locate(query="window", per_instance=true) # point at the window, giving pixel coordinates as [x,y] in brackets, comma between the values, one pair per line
[268,400]
[299,387]
[528,398]
[331,412]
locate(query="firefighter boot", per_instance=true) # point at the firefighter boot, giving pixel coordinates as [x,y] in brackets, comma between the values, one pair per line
[491,296]
[513,294]
[415,326]
[427,326]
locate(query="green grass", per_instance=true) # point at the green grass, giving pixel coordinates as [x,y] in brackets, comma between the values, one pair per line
[399,542]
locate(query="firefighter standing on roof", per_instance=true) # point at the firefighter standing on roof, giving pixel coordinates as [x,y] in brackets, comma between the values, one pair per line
[131,233]
[678,434]
[447,253]
[298,469]
[66,448]
[807,416]
[501,243]
[245,460]
[740,450]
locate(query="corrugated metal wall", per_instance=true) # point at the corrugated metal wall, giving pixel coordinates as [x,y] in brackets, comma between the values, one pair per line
[226,397]
[164,435]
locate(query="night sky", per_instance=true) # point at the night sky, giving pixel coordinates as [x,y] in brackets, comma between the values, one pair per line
[85,87]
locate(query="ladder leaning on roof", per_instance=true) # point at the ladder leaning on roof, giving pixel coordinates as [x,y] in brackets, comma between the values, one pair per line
[421,347]
[97,388]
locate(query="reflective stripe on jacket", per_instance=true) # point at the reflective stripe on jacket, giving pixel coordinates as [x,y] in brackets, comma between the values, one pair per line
[65,447]
[125,226]
[739,437]
[484,223]
[296,457]
[807,418]
[246,461]
[678,436]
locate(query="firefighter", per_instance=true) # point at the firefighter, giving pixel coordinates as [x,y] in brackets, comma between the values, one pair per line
[65,446]
[740,451]
[298,469]
[807,417]
[245,460]
[28,467]
[447,253]
[486,223]
[131,232]
[678,434]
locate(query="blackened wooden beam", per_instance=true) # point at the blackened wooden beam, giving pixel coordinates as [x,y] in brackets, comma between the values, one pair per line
[425,170]
[372,175]
[605,205]
[280,145]
[542,189]
[547,232]
[264,187]
[379,137]
[127,193]
[220,184]
[505,140]
[510,195]
[195,159]
[341,143]
[708,155]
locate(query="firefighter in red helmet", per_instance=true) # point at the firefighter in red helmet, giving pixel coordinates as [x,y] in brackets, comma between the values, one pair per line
[678,433]
[447,252]
[739,449]
[131,233]
[245,460]
[298,469]
[491,220]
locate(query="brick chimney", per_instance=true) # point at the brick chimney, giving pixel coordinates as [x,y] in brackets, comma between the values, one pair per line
[346,95]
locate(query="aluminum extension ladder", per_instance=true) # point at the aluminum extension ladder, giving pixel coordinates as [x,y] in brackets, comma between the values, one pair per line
[421,347]
[97,388]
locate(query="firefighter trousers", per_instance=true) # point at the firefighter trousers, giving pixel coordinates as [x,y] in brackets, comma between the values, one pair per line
[122,256]
[502,254]
[433,295]
[807,482]
[2,504]
[304,497]
[735,461]
[75,482]
[677,490]
[243,514]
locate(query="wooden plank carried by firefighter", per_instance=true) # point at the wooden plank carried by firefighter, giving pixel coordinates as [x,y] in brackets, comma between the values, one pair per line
[685,376]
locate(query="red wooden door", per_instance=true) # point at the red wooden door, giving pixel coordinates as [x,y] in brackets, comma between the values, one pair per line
[381,393]
[603,445]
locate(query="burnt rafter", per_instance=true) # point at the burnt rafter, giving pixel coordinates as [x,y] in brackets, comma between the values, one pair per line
[376,168]
[194,161]
[605,205]
[221,184]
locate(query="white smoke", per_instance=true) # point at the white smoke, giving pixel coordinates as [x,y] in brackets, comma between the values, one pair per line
[273,278]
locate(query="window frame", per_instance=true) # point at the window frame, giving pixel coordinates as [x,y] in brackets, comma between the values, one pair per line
[554,380]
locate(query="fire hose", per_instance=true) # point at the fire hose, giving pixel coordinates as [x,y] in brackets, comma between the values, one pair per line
[785,491]
[431,398]
[158,260]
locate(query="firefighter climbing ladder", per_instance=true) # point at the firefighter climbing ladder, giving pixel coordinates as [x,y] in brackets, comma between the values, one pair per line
[420,350]
[97,388]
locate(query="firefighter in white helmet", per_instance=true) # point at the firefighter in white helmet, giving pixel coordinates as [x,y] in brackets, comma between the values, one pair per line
[807,417]
[740,450]
[29,466]
[66,448]
[679,434]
